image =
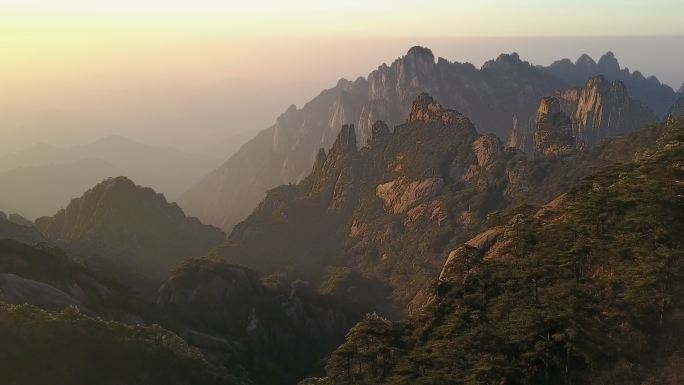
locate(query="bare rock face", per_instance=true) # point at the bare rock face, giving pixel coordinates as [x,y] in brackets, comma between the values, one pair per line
[518,138]
[333,167]
[285,152]
[425,109]
[553,134]
[401,194]
[605,109]
[487,148]
[583,117]
[648,90]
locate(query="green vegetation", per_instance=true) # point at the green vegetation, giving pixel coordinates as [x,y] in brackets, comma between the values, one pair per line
[130,231]
[40,347]
[587,290]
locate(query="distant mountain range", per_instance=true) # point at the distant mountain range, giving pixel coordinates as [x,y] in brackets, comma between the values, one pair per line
[67,172]
[34,191]
[504,93]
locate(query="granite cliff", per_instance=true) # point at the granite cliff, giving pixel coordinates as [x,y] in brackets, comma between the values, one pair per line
[501,95]
[582,117]
[372,225]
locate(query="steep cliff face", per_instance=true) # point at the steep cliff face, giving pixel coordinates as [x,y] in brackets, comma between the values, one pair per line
[387,213]
[648,90]
[118,224]
[502,93]
[583,117]
[605,109]
[284,153]
[378,192]
[553,133]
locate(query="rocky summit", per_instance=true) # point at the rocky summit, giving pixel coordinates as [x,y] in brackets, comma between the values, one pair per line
[582,117]
[361,217]
[501,96]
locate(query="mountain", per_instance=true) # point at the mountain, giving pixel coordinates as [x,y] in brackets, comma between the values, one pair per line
[121,226]
[24,189]
[19,229]
[586,289]
[503,93]
[167,170]
[583,117]
[373,225]
[268,331]
[45,276]
[276,331]
[648,90]
[67,347]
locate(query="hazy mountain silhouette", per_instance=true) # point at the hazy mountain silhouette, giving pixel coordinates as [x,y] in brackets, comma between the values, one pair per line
[34,191]
[167,170]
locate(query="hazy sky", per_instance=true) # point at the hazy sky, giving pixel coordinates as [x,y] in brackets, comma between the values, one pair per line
[188,73]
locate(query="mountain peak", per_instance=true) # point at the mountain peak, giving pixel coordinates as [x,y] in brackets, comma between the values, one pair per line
[423,52]
[157,234]
[585,61]
[505,61]
[681,89]
[609,63]
[346,139]
[426,110]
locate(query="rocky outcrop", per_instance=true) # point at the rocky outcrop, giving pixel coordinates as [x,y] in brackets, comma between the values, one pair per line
[553,133]
[487,149]
[400,194]
[379,133]
[649,90]
[285,153]
[605,109]
[425,109]
[130,229]
[583,117]
[492,96]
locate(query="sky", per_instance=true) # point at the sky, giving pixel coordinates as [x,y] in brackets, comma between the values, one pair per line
[190,73]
